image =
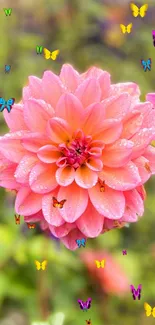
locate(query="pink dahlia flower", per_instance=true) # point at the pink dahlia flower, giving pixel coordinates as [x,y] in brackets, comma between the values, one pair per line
[80,139]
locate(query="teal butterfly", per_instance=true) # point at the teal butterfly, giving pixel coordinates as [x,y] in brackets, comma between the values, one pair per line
[81,242]
[6,104]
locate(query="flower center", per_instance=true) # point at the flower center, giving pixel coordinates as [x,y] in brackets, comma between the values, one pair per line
[76,152]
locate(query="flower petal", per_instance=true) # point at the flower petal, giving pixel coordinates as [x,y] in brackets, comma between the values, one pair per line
[34,141]
[134,203]
[34,217]
[151,98]
[24,167]
[62,230]
[11,147]
[65,176]
[130,87]
[93,117]
[16,114]
[91,222]
[42,178]
[117,154]
[48,154]
[70,109]
[51,214]
[94,164]
[121,179]
[58,130]
[110,131]
[89,92]
[70,240]
[141,140]
[144,169]
[85,177]
[35,85]
[7,179]
[70,77]
[75,204]
[27,202]
[36,114]
[52,88]
[110,203]
[132,124]
[150,155]
[117,107]
[104,81]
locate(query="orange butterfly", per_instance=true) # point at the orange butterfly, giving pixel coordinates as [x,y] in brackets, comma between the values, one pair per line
[31,226]
[57,204]
[102,185]
[118,224]
[17,219]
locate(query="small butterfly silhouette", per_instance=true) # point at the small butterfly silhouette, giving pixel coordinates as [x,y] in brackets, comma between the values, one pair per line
[138,11]
[85,305]
[126,29]
[17,219]
[146,64]
[136,293]
[6,104]
[57,204]
[31,226]
[149,310]
[39,49]
[51,55]
[102,185]
[100,264]
[8,11]
[81,242]
[41,266]
[124,252]
[153,35]
[88,322]
[7,68]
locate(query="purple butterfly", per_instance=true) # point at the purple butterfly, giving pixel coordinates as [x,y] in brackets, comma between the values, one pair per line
[136,293]
[85,305]
[124,252]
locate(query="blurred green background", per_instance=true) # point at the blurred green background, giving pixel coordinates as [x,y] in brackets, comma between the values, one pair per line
[87,33]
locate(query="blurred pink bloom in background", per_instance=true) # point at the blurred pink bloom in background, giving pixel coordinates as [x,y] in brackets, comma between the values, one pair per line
[111,278]
[70,134]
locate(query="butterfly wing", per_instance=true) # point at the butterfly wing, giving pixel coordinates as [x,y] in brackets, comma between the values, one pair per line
[148,309]
[97,264]
[81,304]
[102,263]
[54,54]
[55,202]
[129,28]
[47,54]
[149,64]
[153,312]
[135,9]
[88,303]
[83,242]
[143,10]
[61,203]
[44,264]
[123,28]
[38,265]
[143,62]
[133,291]
[3,104]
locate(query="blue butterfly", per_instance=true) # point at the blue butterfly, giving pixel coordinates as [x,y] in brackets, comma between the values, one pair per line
[146,64]
[6,104]
[81,242]
[7,68]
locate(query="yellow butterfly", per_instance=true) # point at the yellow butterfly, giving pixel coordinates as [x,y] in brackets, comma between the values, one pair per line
[126,29]
[41,265]
[50,55]
[149,310]
[138,11]
[100,264]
